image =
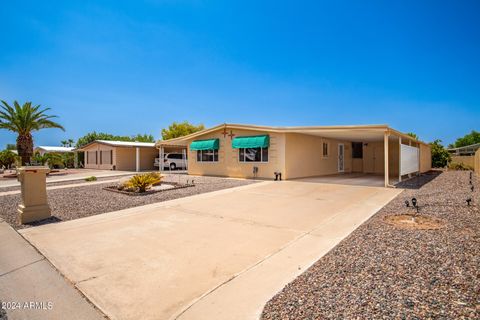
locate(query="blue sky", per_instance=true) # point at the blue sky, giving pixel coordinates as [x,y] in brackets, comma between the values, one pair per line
[134,67]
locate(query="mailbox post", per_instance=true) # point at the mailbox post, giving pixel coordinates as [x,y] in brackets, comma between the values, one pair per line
[34,204]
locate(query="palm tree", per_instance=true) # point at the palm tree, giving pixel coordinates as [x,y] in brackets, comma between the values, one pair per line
[70,142]
[24,120]
[64,143]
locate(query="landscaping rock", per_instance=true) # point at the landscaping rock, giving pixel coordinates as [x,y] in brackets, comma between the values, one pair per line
[384,272]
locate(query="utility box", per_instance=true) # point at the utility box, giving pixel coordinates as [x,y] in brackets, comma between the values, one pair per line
[34,204]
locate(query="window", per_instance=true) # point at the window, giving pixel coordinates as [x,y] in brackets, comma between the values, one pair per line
[253,154]
[325,149]
[106,157]
[207,155]
[357,150]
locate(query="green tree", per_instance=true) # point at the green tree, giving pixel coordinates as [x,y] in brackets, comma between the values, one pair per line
[143,138]
[7,158]
[24,120]
[70,142]
[11,146]
[413,135]
[181,129]
[64,143]
[92,136]
[468,139]
[440,156]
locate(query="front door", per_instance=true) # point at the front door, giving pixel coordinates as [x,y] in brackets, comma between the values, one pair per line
[341,157]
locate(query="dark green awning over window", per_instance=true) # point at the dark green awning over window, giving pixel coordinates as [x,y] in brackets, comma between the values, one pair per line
[209,144]
[251,142]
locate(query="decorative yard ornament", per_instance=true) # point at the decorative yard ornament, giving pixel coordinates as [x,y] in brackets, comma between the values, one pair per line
[472,188]
[407,204]
[231,135]
[468,201]
[225,132]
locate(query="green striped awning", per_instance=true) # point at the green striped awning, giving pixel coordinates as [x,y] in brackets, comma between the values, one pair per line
[209,144]
[251,142]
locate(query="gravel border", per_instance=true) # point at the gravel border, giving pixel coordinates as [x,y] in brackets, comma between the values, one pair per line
[383,272]
[77,202]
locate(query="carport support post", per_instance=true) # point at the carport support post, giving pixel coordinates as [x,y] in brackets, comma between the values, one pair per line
[385,147]
[160,159]
[137,159]
[399,159]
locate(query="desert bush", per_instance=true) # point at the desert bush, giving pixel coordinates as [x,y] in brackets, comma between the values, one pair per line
[459,166]
[142,182]
[92,178]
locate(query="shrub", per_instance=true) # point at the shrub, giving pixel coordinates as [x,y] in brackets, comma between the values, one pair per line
[440,156]
[459,166]
[7,158]
[142,182]
[92,178]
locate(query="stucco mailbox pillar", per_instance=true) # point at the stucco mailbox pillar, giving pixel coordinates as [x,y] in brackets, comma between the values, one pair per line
[34,205]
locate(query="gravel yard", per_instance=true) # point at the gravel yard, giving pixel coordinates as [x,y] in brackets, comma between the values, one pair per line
[84,201]
[384,272]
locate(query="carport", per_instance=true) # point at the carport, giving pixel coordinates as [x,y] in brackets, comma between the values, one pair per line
[358,152]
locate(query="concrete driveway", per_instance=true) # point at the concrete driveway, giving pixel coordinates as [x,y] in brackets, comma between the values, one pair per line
[220,255]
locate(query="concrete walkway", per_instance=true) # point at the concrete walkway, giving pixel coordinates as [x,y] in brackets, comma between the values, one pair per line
[71,177]
[26,277]
[220,255]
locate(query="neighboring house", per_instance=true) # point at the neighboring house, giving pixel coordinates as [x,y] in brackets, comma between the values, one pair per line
[119,155]
[465,155]
[247,151]
[52,149]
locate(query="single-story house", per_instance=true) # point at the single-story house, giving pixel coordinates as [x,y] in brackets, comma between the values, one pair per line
[52,149]
[246,151]
[119,155]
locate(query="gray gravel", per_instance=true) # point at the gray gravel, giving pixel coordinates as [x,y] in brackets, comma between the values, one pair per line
[383,272]
[78,202]
[3,313]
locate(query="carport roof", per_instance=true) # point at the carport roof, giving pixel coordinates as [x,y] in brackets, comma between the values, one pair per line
[360,133]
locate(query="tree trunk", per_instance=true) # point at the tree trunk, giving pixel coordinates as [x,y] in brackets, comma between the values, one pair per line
[25,148]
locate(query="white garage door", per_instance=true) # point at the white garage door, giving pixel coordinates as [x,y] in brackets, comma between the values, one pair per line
[409,159]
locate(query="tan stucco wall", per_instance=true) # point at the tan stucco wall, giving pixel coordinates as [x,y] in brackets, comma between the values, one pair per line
[425,158]
[228,164]
[123,158]
[99,147]
[374,155]
[477,162]
[147,158]
[357,165]
[468,160]
[304,156]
